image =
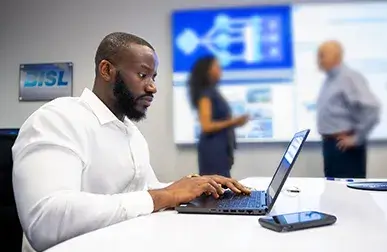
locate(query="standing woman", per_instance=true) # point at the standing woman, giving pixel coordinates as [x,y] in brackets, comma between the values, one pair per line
[217,138]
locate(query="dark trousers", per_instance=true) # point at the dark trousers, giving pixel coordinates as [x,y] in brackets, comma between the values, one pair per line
[344,164]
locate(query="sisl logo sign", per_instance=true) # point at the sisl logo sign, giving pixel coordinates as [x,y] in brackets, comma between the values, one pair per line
[44,82]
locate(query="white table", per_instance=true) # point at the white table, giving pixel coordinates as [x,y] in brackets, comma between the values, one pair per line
[361,226]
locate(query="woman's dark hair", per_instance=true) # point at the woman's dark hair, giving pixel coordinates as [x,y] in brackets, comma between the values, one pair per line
[199,79]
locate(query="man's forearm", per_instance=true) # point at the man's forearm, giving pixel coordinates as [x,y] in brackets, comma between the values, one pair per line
[161,199]
[369,119]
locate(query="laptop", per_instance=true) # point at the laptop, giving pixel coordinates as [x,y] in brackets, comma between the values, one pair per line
[258,202]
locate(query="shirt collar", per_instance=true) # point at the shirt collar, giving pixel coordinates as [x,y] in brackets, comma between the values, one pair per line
[101,111]
[334,71]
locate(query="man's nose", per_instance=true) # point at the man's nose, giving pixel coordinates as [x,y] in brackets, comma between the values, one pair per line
[151,88]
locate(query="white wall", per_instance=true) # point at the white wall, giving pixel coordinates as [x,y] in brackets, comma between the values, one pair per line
[70,30]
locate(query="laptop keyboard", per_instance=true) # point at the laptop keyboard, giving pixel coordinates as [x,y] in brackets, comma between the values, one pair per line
[232,200]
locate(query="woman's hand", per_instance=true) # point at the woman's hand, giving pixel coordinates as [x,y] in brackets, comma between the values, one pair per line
[241,120]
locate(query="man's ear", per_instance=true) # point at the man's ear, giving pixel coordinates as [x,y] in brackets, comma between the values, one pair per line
[107,71]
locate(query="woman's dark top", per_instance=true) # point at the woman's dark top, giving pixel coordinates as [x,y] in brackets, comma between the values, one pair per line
[216,149]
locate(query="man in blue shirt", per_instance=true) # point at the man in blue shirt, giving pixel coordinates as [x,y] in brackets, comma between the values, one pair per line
[347,111]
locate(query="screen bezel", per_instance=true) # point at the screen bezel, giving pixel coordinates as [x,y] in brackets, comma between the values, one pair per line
[271,200]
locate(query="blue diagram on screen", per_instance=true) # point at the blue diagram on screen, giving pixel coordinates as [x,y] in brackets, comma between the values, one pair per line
[260,38]
[240,38]
[258,95]
[237,108]
[261,129]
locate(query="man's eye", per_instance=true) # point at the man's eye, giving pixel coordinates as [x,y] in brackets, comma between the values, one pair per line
[142,75]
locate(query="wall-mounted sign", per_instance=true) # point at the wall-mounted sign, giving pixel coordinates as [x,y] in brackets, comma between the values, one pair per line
[45,82]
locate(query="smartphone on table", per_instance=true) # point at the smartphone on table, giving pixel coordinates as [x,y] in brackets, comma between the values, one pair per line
[297,221]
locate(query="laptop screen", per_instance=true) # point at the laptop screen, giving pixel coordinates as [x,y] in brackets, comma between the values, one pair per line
[286,163]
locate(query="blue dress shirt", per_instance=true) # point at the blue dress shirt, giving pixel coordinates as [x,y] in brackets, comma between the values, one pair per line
[346,103]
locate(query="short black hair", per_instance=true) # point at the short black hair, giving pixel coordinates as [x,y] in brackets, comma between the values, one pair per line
[114,43]
[199,79]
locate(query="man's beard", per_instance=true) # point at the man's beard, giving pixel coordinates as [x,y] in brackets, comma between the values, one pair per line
[126,101]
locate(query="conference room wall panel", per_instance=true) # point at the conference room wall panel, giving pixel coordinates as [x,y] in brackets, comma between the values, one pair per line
[44,31]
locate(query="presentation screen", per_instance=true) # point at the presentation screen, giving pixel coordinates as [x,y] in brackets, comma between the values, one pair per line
[269,59]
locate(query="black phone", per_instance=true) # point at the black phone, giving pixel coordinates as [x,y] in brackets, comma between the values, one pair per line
[297,221]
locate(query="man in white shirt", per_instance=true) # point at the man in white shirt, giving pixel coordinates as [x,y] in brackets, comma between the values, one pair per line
[80,164]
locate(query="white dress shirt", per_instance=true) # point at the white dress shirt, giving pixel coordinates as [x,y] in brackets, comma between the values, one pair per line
[77,168]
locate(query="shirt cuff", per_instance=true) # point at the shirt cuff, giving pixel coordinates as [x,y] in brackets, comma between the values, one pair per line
[359,139]
[137,203]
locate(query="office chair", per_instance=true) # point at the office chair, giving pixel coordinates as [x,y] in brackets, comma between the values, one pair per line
[10,229]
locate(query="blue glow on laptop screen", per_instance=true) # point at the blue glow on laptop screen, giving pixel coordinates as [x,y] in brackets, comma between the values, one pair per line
[286,163]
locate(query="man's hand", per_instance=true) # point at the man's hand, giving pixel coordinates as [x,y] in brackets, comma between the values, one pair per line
[187,189]
[346,142]
[230,183]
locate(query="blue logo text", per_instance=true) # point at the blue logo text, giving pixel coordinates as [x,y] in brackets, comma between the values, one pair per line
[44,78]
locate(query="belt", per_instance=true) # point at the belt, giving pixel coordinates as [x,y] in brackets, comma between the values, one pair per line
[338,135]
